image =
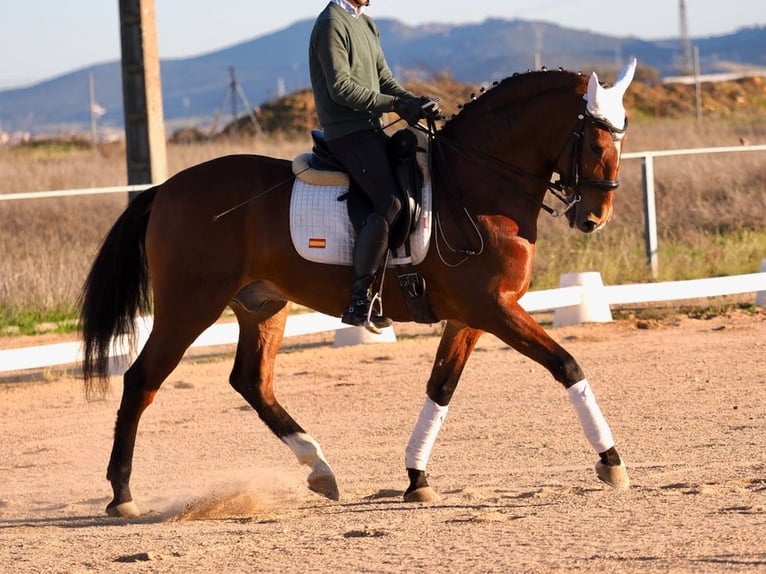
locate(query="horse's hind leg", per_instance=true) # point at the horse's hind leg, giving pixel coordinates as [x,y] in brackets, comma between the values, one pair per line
[141,382]
[260,335]
[456,345]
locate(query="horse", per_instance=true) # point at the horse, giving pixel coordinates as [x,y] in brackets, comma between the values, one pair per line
[215,235]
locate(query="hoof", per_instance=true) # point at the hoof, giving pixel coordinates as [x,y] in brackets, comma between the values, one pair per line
[423,494]
[123,510]
[325,485]
[615,476]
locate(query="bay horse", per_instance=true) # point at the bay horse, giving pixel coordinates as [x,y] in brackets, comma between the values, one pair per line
[168,252]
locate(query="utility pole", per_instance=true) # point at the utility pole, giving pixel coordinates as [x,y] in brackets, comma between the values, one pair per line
[142,94]
[687,65]
[233,91]
[93,110]
[697,86]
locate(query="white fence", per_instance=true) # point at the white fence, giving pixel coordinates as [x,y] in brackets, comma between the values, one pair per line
[564,299]
[647,186]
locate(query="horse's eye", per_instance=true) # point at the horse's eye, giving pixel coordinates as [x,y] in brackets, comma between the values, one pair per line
[597,149]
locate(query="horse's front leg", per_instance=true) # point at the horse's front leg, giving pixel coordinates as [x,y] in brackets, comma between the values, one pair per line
[455,347]
[519,330]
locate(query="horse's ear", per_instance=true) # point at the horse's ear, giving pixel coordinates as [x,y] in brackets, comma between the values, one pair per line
[593,88]
[596,95]
[625,77]
[606,103]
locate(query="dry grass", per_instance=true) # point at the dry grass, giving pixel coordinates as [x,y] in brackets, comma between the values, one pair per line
[50,243]
[711,210]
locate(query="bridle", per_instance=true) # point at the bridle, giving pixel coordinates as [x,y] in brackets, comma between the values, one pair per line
[569,185]
[566,188]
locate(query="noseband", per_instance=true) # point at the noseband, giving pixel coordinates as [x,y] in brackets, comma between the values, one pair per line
[566,189]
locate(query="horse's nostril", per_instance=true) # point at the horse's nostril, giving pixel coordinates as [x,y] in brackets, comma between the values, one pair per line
[588,226]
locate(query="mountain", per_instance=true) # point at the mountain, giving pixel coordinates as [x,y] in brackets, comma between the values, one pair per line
[197,89]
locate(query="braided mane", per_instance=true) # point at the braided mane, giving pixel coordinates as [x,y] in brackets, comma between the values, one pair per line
[517,89]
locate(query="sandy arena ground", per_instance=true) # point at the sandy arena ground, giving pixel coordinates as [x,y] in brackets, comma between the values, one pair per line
[686,399]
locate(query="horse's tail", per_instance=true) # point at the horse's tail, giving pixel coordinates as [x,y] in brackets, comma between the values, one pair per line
[115,291]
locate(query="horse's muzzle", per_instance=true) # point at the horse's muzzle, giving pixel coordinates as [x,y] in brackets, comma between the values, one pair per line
[588,220]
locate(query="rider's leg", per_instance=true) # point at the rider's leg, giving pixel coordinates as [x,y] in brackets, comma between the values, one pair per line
[369,251]
[365,157]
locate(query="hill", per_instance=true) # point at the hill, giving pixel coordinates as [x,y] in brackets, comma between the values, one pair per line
[743,99]
[269,66]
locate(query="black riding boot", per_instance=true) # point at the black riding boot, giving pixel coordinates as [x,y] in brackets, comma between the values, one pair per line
[370,248]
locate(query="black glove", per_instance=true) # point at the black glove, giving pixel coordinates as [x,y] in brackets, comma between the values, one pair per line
[410,109]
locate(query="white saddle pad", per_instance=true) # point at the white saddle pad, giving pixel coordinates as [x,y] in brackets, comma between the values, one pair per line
[322,232]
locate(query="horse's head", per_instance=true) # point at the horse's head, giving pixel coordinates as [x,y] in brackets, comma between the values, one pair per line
[515,135]
[589,174]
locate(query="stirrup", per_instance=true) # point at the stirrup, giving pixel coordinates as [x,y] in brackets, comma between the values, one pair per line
[360,314]
[377,322]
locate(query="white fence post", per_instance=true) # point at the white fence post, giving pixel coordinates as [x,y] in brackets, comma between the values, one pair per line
[593,307]
[360,335]
[650,215]
[760,296]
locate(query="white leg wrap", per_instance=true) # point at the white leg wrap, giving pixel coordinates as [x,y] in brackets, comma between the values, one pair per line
[424,435]
[308,452]
[592,420]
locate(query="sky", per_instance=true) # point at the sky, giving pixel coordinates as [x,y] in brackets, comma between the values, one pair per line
[42,39]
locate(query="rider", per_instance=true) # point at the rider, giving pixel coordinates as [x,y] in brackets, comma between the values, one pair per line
[353,86]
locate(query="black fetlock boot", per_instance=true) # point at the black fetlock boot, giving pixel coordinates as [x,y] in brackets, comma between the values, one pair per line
[369,250]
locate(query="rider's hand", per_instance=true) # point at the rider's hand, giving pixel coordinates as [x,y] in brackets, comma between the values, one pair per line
[410,109]
[431,107]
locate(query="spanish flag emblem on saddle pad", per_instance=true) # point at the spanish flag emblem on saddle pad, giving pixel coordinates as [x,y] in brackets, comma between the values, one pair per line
[317,243]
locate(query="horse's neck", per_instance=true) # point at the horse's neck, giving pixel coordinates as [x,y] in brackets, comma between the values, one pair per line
[493,196]
[504,147]
[521,121]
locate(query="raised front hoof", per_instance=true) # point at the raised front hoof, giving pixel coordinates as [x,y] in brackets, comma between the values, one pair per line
[615,476]
[127,509]
[422,494]
[325,485]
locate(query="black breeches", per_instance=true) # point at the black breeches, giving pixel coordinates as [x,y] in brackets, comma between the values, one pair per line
[364,155]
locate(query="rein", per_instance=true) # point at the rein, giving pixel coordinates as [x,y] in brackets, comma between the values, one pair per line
[565,189]
[496,165]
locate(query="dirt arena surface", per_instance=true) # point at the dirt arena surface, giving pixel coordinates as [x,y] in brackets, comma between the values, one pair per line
[686,399]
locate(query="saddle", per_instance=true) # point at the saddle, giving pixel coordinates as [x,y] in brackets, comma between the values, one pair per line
[319,170]
[408,157]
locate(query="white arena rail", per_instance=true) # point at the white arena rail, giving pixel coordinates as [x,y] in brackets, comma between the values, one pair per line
[218,334]
[533,301]
[73,192]
[564,299]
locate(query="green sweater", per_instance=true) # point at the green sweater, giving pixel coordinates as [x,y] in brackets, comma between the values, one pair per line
[351,80]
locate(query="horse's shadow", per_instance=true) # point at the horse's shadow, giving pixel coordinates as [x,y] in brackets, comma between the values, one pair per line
[85,521]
